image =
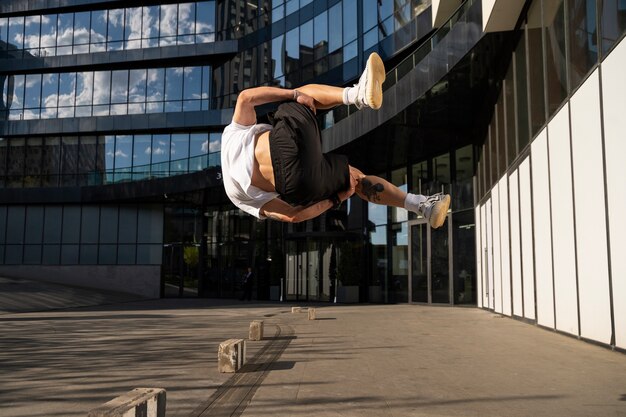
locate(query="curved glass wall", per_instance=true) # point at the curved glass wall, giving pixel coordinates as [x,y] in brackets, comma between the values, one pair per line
[96,160]
[104,93]
[305,43]
[109,30]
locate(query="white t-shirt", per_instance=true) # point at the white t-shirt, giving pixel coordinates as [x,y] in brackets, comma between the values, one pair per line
[237,167]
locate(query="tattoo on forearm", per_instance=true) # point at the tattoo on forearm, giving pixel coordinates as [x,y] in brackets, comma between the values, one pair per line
[371,190]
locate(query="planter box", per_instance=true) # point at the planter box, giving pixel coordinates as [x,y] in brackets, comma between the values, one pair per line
[348,294]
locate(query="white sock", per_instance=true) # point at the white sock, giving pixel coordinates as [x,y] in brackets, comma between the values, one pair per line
[412,202]
[350,95]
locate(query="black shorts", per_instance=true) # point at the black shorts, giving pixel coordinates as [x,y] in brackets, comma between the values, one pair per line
[302,173]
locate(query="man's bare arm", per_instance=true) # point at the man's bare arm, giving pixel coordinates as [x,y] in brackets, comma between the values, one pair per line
[277,209]
[248,99]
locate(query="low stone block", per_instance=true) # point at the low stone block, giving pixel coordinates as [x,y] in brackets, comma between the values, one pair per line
[140,402]
[231,355]
[296,309]
[256,330]
[312,313]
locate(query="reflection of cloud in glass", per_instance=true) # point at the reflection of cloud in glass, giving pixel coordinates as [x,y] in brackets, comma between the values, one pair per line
[133,21]
[116,17]
[185,18]
[155,151]
[118,153]
[212,147]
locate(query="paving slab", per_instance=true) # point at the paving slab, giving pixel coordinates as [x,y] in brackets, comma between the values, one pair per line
[359,360]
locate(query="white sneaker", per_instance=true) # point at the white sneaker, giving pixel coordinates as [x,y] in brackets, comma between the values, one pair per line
[370,86]
[435,209]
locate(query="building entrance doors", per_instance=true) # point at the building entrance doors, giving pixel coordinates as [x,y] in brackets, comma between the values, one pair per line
[430,263]
[308,270]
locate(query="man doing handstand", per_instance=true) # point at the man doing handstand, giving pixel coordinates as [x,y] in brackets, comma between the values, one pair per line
[279,172]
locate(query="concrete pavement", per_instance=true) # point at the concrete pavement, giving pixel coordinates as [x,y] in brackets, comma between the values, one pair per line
[361,360]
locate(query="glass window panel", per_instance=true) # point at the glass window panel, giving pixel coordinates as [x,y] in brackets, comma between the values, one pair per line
[84,88]
[215,142]
[127,232]
[108,224]
[107,254]
[370,39]
[150,225]
[292,49]
[141,150]
[402,16]
[65,29]
[370,14]
[186,20]
[535,64]
[320,35]
[119,86]
[198,144]
[350,51]
[205,21]
[399,263]
[509,96]
[109,152]
[335,39]
[613,24]
[15,224]
[278,12]
[52,226]
[464,171]
[149,254]
[32,98]
[123,151]
[126,254]
[291,6]
[89,224]
[87,153]
[115,27]
[13,254]
[51,167]
[31,33]
[150,27]
[49,95]
[102,87]
[88,254]
[385,8]
[583,41]
[160,148]
[16,32]
[501,135]
[180,146]
[174,83]
[278,48]
[349,21]
[69,254]
[193,80]
[132,31]
[306,43]
[67,87]
[18,93]
[98,31]
[71,224]
[51,254]
[556,82]
[521,95]
[206,86]
[4,31]
[156,84]
[69,167]
[32,254]
[48,35]
[81,31]
[3,166]
[34,153]
[168,23]
[399,179]
[137,86]
[15,166]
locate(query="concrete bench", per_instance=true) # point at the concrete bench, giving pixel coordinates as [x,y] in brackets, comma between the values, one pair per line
[140,402]
[231,355]
[256,330]
[312,314]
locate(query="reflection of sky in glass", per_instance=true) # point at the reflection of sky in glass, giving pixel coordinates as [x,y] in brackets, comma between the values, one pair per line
[16,31]
[137,85]
[119,86]
[180,146]
[123,151]
[160,148]
[173,84]
[65,32]
[379,235]
[31,32]
[198,144]
[141,150]
[156,83]
[102,81]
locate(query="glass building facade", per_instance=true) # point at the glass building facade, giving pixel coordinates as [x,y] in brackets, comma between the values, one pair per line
[110,134]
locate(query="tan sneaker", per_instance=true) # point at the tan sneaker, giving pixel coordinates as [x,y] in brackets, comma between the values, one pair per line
[370,86]
[435,209]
